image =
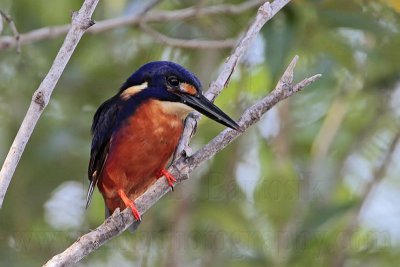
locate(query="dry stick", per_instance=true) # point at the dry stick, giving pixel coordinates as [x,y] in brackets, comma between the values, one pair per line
[283,90]
[14,30]
[264,14]
[135,20]
[177,15]
[191,44]
[81,21]
[119,221]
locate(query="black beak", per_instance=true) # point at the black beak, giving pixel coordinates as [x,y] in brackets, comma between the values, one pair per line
[200,103]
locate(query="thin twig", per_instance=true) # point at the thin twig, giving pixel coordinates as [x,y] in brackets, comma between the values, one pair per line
[119,221]
[13,28]
[133,20]
[81,21]
[265,13]
[282,91]
[191,44]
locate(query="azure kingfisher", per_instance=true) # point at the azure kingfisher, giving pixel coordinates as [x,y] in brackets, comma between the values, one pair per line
[136,132]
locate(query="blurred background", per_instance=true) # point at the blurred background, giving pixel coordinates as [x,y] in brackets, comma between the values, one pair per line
[314,183]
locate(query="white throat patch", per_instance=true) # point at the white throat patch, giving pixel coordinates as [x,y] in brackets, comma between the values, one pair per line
[175,108]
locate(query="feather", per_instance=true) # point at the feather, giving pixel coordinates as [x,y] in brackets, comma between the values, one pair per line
[104,124]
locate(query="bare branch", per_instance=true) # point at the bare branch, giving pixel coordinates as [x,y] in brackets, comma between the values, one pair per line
[120,221]
[265,13]
[133,20]
[283,90]
[81,21]
[14,30]
[192,44]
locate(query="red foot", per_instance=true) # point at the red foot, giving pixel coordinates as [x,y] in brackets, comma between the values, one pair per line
[170,179]
[129,203]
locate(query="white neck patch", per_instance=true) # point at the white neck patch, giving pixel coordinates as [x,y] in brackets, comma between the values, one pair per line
[175,108]
[133,90]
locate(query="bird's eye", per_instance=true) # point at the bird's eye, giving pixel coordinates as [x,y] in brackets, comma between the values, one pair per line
[173,81]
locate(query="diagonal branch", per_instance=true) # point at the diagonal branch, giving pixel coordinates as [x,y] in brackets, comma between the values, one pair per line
[120,221]
[133,20]
[264,14]
[283,90]
[81,21]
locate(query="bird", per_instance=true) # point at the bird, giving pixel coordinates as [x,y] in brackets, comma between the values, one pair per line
[136,131]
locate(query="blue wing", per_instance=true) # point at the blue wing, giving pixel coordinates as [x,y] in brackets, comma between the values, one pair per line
[104,124]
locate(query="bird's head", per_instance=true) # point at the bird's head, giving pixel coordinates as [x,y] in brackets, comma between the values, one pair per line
[177,87]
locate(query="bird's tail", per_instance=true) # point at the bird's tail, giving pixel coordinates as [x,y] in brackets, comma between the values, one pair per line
[90,192]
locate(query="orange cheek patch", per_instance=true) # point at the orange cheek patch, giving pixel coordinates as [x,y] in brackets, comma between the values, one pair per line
[189,89]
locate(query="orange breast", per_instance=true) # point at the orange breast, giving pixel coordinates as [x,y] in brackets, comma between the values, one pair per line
[141,148]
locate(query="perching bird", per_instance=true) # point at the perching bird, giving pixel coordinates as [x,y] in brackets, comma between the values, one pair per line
[136,132]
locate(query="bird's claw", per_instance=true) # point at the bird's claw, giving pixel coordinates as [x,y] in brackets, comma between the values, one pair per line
[170,178]
[129,203]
